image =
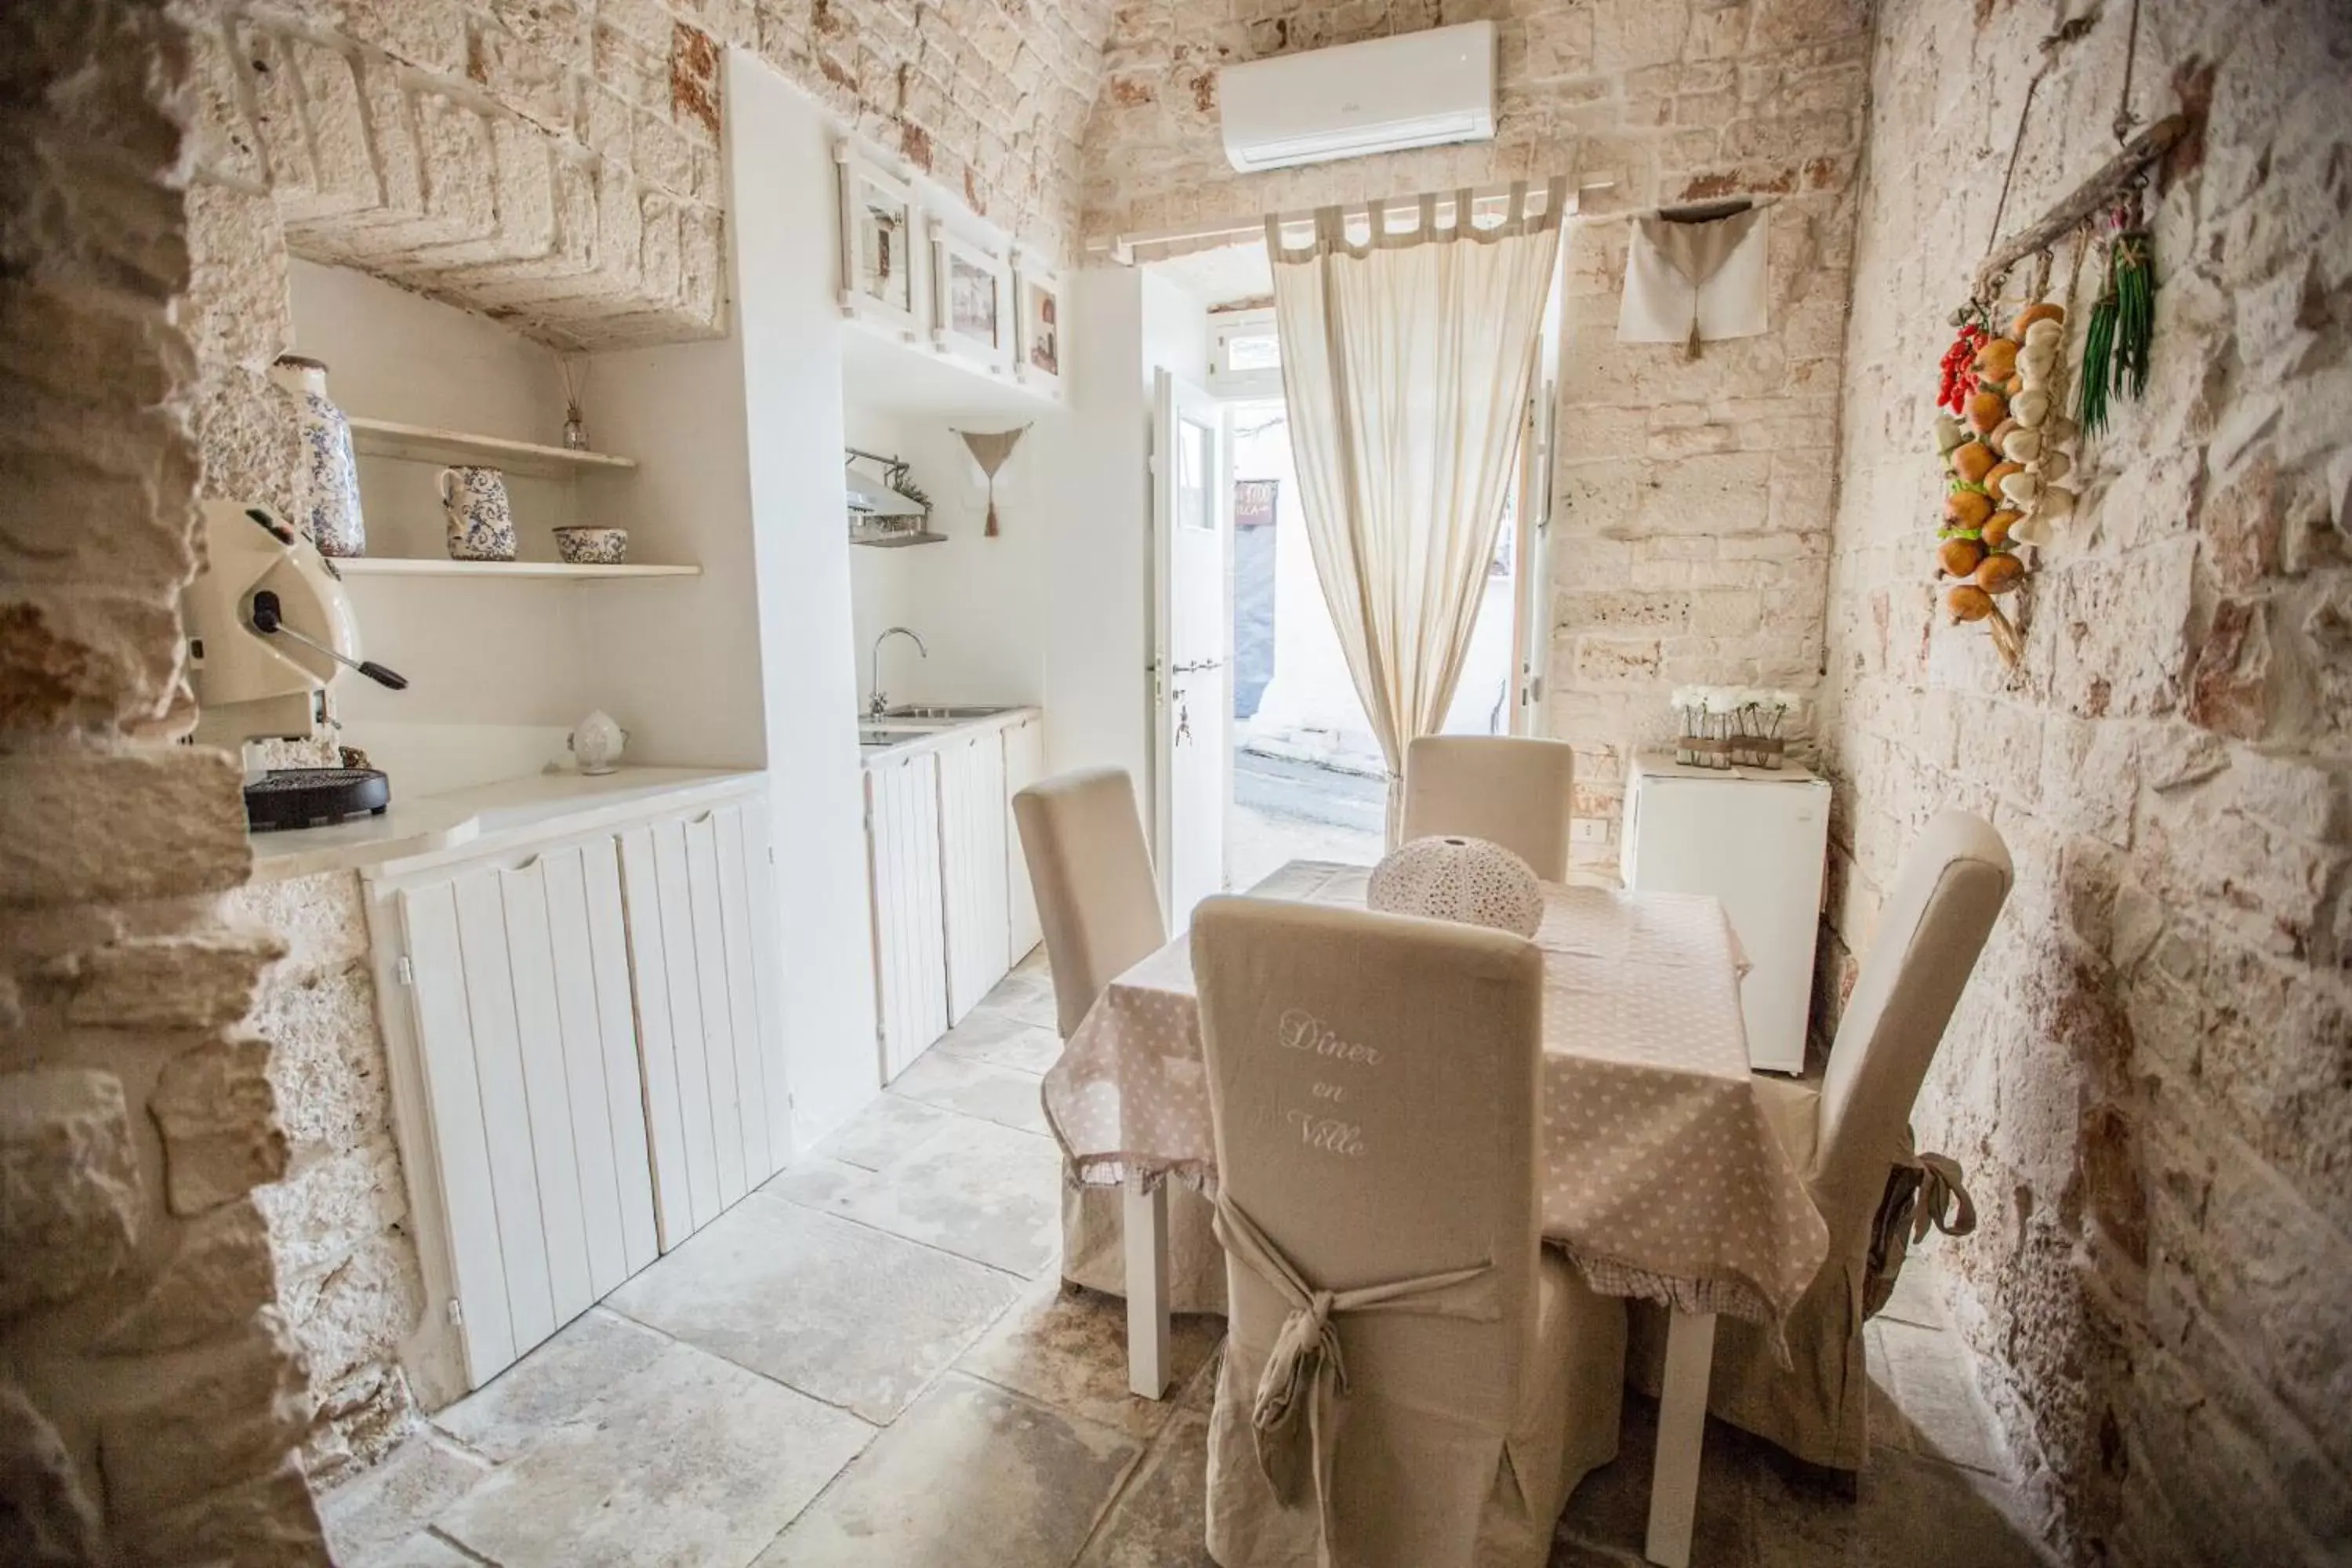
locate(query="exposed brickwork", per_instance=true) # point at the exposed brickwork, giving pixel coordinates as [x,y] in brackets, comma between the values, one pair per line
[152,1401]
[556,165]
[2148,1078]
[1694,497]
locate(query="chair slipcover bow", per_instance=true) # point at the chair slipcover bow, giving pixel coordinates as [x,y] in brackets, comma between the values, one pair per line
[1297,1392]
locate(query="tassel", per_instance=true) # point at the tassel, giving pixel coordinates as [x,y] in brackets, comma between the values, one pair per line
[989,533]
[1690,348]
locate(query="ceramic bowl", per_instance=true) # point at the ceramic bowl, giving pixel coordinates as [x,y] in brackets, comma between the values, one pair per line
[592,546]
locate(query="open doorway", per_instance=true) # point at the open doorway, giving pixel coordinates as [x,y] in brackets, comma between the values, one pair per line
[1309,781]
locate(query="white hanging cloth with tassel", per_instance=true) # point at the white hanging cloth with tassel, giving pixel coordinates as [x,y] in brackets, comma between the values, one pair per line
[1688,280]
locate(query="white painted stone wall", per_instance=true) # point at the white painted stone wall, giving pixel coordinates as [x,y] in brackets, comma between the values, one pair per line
[2147,1079]
[1694,498]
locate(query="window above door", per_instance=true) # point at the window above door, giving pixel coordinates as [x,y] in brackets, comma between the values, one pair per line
[1244,354]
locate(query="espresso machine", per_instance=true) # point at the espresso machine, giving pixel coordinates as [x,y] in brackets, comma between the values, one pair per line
[269,630]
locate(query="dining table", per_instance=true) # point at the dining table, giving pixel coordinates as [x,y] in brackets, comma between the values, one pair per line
[1663,1177]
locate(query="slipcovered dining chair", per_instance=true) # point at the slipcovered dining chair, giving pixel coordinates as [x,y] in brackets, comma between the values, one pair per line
[1410,1378]
[1091,872]
[1849,1136]
[1502,788]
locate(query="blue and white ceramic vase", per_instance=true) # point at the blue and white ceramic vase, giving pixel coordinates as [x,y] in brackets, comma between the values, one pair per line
[326,482]
[481,520]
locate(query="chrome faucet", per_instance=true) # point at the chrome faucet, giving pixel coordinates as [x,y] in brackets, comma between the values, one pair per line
[878,705]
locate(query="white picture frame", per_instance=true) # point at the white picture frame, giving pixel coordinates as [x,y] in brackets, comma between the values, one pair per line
[1039,321]
[881,244]
[972,301]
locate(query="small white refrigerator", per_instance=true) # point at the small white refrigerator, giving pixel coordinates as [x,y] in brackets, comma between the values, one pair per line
[1756,838]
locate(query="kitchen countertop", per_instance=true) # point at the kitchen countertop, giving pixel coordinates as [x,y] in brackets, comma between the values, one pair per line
[912,735]
[480,816]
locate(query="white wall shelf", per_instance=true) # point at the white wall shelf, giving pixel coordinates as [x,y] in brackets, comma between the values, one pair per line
[391,566]
[420,444]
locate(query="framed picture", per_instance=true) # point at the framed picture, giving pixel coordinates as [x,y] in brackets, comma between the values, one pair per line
[879,243]
[1037,319]
[971,305]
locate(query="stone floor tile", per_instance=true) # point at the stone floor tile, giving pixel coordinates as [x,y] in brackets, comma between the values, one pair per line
[1160,1520]
[550,1385]
[380,1508]
[1935,1390]
[838,1311]
[1610,1509]
[885,1130]
[1067,1346]
[1885,1423]
[971,1476]
[1201,1394]
[424,1549]
[1910,1511]
[975,1087]
[1918,1295]
[971,1187]
[689,1459]
[1005,1037]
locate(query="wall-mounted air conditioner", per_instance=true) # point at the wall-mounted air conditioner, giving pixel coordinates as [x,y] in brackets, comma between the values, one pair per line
[1385,95]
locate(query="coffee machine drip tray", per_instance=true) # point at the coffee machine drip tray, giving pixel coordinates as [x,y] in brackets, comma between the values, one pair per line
[314,797]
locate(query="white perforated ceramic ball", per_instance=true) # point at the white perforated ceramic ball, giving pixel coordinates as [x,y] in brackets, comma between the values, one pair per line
[1467,880]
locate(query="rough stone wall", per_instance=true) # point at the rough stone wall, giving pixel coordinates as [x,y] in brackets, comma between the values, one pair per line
[345,1262]
[1693,498]
[555,164]
[153,1395]
[2150,1075]
[348,1278]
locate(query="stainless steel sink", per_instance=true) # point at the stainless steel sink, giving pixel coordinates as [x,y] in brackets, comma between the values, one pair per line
[942,712]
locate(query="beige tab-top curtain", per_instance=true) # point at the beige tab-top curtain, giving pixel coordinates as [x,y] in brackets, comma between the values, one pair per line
[1406,361]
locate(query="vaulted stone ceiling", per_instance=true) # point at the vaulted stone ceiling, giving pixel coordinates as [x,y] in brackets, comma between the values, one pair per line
[555,163]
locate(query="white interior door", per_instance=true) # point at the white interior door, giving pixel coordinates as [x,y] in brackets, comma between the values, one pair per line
[1192,634]
[1531,594]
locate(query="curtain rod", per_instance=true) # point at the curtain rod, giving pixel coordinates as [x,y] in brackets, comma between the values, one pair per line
[1123,248]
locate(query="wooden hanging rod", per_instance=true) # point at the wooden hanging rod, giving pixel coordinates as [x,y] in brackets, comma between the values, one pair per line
[2085,199]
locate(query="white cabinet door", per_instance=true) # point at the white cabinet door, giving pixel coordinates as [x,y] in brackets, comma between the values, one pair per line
[1024,765]
[972,845]
[902,834]
[697,889]
[529,1067]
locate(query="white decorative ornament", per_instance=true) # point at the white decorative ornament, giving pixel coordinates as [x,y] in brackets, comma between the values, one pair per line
[1466,881]
[597,742]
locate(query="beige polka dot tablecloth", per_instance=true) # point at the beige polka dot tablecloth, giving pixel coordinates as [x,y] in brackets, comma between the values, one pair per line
[1663,1176]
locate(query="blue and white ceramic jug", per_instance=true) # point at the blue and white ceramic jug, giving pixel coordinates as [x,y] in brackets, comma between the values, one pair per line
[481,522]
[327,478]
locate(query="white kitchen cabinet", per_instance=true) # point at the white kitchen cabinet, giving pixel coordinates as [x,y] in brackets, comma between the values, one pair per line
[902,833]
[520,976]
[590,1065]
[718,1110]
[1024,765]
[973,867]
